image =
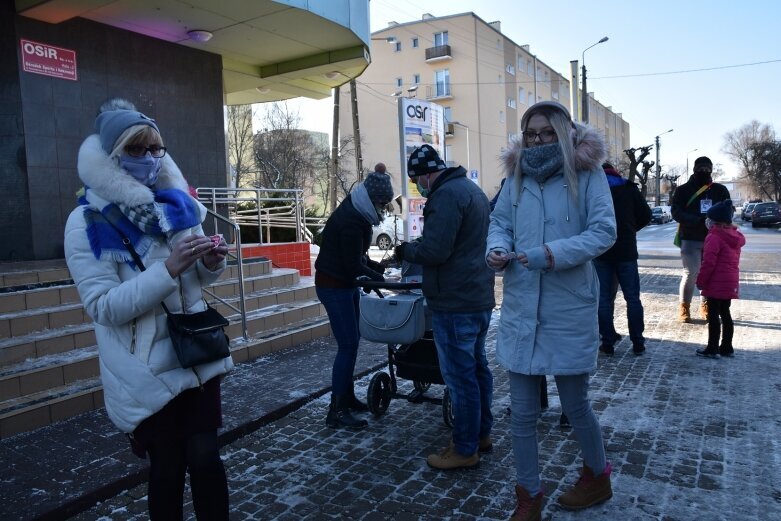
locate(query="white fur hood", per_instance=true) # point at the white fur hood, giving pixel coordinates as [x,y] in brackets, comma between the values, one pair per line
[590,150]
[109,181]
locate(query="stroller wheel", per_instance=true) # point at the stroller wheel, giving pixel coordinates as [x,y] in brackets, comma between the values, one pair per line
[447,409]
[421,386]
[379,394]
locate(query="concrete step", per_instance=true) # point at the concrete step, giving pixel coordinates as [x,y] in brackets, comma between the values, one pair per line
[30,274]
[42,407]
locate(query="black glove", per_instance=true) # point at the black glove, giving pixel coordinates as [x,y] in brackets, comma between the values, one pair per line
[376,266]
[398,251]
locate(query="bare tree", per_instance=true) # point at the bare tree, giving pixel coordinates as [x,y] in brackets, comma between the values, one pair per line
[767,157]
[240,143]
[643,177]
[285,155]
[740,146]
[636,157]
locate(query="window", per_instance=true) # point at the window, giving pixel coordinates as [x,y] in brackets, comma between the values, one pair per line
[396,46]
[554,95]
[448,114]
[501,116]
[529,68]
[399,82]
[415,43]
[440,38]
[521,95]
[511,102]
[510,69]
[448,152]
[442,82]
[415,79]
[521,64]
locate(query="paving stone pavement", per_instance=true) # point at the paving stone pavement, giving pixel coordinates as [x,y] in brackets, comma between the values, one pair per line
[688,438]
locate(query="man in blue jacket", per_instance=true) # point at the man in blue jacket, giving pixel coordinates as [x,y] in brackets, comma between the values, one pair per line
[459,291]
[618,265]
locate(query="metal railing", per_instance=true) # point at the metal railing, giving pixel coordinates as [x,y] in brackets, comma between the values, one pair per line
[241,310]
[439,51]
[285,211]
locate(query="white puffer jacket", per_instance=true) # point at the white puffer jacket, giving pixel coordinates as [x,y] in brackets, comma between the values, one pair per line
[138,366]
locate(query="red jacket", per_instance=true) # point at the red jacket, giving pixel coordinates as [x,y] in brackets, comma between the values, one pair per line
[719,272]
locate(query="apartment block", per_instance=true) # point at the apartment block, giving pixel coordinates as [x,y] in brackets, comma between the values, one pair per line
[483,79]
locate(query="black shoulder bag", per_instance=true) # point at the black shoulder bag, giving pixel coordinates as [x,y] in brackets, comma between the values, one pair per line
[198,338]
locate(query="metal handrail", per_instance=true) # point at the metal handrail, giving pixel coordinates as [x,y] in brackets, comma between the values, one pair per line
[242,310]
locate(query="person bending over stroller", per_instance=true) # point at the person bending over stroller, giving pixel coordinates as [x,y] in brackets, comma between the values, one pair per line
[343,258]
[459,291]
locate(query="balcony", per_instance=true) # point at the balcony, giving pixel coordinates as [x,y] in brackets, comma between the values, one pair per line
[439,91]
[450,130]
[438,53]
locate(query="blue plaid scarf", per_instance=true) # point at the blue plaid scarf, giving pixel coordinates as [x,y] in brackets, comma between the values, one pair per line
[172,211]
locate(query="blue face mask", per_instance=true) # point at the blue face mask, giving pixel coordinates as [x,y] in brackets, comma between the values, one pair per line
[143,169]
[423,191]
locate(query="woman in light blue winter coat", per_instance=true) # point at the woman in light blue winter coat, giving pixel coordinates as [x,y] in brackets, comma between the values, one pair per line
[554,215]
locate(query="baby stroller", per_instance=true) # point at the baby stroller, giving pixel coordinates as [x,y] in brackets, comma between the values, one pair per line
[400,320]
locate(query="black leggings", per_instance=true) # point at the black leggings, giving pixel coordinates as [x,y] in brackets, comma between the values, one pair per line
[200,456]
[720,324]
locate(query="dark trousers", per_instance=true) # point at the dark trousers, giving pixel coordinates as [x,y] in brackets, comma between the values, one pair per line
[720,324]
[342,306]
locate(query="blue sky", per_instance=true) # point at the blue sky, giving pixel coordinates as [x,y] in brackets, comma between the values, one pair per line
[663,36]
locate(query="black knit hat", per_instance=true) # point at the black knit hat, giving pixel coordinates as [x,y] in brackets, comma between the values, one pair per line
[721,212]
[379,188]
[424,160]
[703,161]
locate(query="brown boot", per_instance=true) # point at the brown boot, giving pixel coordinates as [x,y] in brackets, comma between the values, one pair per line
[704,310]
[590,490]
[449,459]
[528,508]
[684,315]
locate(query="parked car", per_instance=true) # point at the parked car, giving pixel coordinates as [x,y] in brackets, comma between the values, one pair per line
[660,215]
[389,233]
[745,214]
[765,214]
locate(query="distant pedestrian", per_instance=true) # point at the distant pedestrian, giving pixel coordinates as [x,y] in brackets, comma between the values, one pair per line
[553,217]
[342,259]
[169,412]
[459,291]
[690,203]
[618,265]
[380,168]
[719,275]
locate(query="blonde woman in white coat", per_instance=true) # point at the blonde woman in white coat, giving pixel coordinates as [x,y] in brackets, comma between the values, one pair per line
[554,215]
[170,413]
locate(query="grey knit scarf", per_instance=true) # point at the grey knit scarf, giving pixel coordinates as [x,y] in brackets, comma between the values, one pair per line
[541,162]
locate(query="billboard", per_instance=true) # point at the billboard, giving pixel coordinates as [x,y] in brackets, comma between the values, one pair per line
[420,122]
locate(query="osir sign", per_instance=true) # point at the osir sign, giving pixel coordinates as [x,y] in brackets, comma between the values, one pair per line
[48,60]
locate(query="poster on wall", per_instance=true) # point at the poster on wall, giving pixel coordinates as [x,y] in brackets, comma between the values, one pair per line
[420,122]
[48,60]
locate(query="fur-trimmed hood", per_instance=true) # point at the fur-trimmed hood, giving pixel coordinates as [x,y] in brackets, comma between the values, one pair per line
[590,150]
[103,176]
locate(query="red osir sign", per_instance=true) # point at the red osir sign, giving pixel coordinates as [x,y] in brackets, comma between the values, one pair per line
[40,58]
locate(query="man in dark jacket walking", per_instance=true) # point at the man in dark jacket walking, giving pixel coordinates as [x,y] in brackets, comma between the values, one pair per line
[459,291]
[690,203]
[618,265]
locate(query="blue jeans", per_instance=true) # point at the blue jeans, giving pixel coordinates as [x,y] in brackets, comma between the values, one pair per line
[525,403]
[611,275]
[343,312]
[460,341]
[691,257]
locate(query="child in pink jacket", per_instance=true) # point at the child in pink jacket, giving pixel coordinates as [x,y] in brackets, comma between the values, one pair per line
[718,277]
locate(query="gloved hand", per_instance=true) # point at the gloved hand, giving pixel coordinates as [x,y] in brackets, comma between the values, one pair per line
[398,251]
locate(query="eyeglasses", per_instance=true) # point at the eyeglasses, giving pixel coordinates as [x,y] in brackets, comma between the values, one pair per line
[546,136]
[141,150]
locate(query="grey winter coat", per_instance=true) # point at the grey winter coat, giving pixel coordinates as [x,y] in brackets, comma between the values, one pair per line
[549,317]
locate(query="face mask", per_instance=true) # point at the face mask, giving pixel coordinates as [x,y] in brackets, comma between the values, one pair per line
[708,223]
[143,169]
[423,191]
[702,178]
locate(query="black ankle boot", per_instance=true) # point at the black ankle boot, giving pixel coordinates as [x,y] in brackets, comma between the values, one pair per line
[356,405]
[339,415]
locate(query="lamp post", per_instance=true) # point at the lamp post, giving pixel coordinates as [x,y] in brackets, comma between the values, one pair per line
[467,141]
[585,90]
[658,198]
[687,161]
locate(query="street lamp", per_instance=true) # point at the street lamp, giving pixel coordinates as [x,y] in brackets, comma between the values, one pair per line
[585,90]
[687,161]
[467,141]
[658,198]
